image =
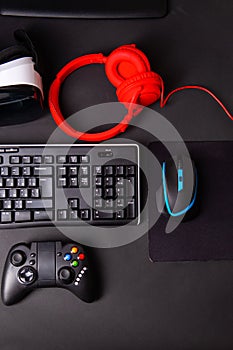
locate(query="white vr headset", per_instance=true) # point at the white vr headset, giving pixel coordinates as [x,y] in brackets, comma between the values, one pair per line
[20,80]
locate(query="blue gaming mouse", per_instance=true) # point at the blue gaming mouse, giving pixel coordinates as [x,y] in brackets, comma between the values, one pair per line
[177,196]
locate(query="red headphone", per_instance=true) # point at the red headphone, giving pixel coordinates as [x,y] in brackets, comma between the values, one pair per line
[128,69]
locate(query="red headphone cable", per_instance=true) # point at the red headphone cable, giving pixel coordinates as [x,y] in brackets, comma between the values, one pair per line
[163,100]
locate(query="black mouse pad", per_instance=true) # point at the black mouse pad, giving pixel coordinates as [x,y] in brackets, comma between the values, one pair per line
[208,236]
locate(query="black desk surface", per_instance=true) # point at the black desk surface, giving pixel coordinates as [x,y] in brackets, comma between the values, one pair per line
[143,305]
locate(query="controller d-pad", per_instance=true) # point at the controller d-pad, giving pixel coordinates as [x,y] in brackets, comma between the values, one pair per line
[27,275]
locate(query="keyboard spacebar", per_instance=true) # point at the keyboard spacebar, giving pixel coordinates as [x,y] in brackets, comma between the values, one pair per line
[39,204]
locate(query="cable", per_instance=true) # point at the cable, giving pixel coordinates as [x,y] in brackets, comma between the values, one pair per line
[163,100]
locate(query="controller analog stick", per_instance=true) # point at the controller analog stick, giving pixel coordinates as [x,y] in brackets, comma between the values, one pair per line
[66,275]
[18,258]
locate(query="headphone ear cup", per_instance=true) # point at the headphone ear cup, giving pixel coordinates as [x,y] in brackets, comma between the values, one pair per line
[124,62]
[147,85]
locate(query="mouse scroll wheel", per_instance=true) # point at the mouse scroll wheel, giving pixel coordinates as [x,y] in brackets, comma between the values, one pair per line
[180,180]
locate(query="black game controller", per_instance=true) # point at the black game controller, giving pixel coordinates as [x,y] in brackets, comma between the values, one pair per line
[46,264]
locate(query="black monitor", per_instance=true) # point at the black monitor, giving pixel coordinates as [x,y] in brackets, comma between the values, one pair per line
[83,9]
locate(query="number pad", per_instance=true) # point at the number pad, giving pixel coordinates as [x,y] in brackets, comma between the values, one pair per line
[114,192]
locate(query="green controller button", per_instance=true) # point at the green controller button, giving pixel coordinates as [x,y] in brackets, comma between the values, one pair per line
[74,263]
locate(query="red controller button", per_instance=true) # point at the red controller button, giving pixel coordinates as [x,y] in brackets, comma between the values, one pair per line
[74,250]
[81,256]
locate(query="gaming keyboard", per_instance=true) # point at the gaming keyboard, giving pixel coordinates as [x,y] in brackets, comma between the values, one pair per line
[74,184]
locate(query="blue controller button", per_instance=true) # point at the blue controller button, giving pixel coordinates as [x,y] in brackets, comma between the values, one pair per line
[67,257]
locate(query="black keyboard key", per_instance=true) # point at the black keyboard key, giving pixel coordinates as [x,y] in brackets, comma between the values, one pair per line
[84,214]
[15,171]
[84,159]
[10,182]
[73,214]
[108,193]
[4,171]
[21,182]
[108,181]
[22,216]
[38,203]
[6,217]
[61,159]
[108,204]
[131,179]
[120,203]
[130,189]
[32,182]
[46,186]
[13,193]
[131,210]
[43,171]
[43,215]
[130,170]
[120,170]
[97,170]
[26,171]
[73,182]
[23,193]
[62,182]
[98,203]
[15,160]
[98,181]
[62,214]
[83,170]
[73,159]
[26,160]
[98,215]
[18,204]
[37,159]
[120,181]
[98,192]
[73,203]
[120,191]
[84,182]
[35,193]
[120,214]
[108,170]
[61,171]
[73,171]
[7,204]
[48,159]
[2,193]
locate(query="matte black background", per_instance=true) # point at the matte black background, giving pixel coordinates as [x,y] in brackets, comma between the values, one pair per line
[142,305]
